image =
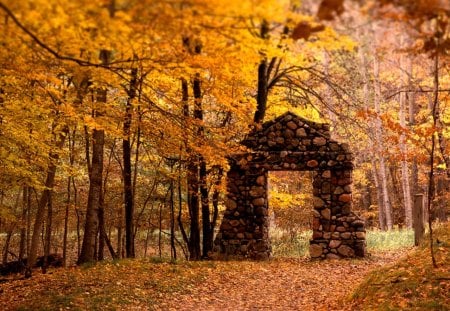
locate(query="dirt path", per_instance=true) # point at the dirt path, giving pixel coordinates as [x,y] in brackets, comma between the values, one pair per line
[284,284]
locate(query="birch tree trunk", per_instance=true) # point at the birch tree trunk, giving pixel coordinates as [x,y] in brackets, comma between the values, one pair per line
[407,198]
[379,145]
[377,160]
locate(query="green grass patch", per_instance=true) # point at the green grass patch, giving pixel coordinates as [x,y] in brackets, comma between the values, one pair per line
[411,283]
[389,240]
[289,244]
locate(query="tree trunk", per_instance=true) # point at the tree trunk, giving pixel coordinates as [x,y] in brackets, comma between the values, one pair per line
[431,184]
[48,232]
[43,201]
[88,248]
[407,198]
[6,247]
[127,170]
[23,225]
[418,219]
[66,220]
[380,148]
[206,221]
[381,209]
[261,97]
[173,249]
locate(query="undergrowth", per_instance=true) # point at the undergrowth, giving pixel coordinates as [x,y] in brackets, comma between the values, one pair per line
[296,244]
[412,283]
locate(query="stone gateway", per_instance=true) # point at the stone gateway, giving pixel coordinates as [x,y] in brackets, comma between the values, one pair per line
[290,142]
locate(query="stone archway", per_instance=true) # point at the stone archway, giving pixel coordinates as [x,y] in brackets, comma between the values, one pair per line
[290,142]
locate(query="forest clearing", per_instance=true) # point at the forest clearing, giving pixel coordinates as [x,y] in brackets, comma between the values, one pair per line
[224,155]
[393,278]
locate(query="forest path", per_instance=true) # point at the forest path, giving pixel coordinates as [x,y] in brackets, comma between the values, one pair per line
[280,284]
[146,284]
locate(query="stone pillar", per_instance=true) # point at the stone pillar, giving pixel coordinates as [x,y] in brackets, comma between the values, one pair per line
[337,231]
[244,232]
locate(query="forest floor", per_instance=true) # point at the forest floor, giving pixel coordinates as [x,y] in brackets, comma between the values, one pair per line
[278,284]
[396,280]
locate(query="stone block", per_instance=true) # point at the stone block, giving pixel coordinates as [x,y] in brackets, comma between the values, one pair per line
[234,222]
[334,243]
[315,250]
[319,141]
[291,125]
[318,202]
[259,202]
[345,197]
[332,256]
[312,163]
[346,251]
[257,191]
[300,132]
[346,235]
[317,235]
[360,235]
[326,174]
[230,204]
[326,213]
[261,180]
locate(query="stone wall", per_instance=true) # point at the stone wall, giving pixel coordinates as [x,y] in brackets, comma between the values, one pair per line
[290,143]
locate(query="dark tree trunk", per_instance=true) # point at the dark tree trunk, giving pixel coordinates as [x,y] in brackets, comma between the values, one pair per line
[193,240]
[48,233]
[206,221]
[127,170]
[88,249]
[66,221]
[193,204]
[206,217]
[261,98]
[23,228]
[173,252]
[6,247]
[95,197]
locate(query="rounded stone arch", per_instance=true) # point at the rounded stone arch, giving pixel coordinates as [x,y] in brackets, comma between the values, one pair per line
[290,142]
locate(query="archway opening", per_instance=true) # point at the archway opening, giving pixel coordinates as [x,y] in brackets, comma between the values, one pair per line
[290,202]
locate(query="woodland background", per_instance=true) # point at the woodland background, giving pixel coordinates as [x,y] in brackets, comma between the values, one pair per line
[116,116]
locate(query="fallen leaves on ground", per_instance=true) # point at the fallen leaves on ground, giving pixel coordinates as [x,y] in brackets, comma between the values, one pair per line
[279,284]
[411,283]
